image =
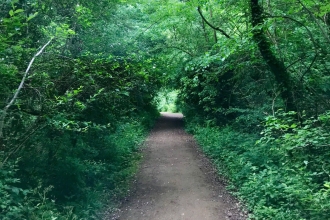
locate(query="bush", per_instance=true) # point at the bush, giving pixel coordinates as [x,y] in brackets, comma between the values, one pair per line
[11,196]
[21,203]
[282,174]
[75,174]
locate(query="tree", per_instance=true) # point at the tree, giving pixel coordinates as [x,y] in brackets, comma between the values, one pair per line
[277,67]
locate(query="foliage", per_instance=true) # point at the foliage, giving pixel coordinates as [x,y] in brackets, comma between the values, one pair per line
[166,100]
[228,89]
[12,197]
[91,94]
[284,174]
[81,116]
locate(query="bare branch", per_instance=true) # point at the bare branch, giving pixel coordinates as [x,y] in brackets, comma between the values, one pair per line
[12,101]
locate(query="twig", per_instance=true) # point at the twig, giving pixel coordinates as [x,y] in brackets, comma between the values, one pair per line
[16,149]
[325,170]
[316,21]
[273,103]
[311,38]
[181,49]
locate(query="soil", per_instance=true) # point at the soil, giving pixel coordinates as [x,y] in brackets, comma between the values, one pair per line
[175,181]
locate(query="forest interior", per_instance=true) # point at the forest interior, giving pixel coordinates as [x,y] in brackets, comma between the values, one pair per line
[82,82]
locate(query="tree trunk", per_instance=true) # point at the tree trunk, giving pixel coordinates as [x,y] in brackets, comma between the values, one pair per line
[214,32]
[277,67]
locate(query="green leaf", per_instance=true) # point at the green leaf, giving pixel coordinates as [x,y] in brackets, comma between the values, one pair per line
[18,11]
[293,126]
[327,185]
[125,93]
[25,192]
[32,16]
[15,190]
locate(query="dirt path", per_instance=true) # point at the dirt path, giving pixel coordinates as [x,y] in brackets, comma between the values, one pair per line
[176,181]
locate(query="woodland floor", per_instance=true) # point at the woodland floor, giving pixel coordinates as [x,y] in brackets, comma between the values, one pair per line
[176,181]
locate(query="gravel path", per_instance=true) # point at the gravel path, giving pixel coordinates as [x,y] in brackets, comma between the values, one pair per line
[176,181]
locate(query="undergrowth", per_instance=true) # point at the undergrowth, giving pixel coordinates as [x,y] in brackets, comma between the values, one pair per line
[283,173]
[94,180]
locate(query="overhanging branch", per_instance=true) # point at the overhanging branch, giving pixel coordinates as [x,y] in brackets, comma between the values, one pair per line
[209,24]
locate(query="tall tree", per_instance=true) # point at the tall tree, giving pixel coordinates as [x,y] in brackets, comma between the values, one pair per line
[276,66]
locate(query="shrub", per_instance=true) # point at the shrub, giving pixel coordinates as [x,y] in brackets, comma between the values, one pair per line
[282,174]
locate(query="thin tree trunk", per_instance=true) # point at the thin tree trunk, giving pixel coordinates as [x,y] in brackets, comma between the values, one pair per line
[204,31]
[214,32]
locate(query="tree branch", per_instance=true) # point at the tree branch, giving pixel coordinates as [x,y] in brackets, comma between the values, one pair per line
[316,21]
[12,101]
[209,24]
[311,37]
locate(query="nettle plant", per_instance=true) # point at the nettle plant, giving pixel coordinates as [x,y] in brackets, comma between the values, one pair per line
[296,136]
[299,179]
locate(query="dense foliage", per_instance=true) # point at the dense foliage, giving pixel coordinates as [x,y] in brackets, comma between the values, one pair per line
[257,99]
[80,81]
[281,175]
[69,135]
